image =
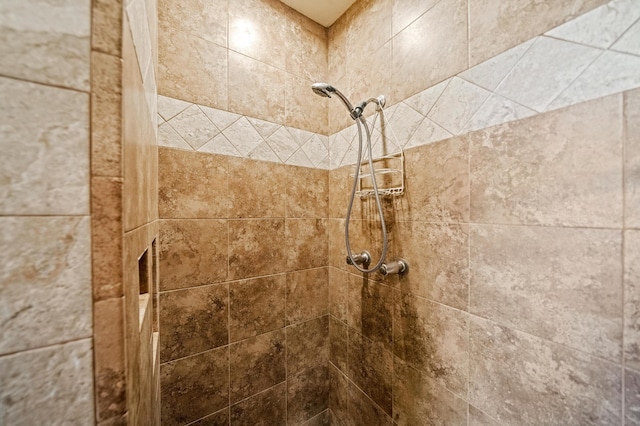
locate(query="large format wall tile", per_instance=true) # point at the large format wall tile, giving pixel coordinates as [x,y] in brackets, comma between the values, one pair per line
[433,339]
[192,185]
[268,408]
[256,306]
[191,68]
[534,372]
[632,158]
[257,364]
[557,168]
[560,284]
[307,193]
[46,41]
[45,143]
[417,397]
[193,320]
[257,188]
[420,62]
[205,19]
[307,345]
[52,384]
[306,243]
[193,253]
[370,366]
[495,27]
[440,266]
[307,294]
[307,394]
[437,182]
[370,310]
[257,247]
[194,387]
[632,397]
[632,299]
[45,282]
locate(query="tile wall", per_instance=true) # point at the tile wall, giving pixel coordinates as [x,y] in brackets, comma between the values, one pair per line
[535,260]
[46,353]
[244,323]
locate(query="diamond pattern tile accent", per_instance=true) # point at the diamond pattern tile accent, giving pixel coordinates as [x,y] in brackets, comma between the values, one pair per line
[194,127]
[594,55]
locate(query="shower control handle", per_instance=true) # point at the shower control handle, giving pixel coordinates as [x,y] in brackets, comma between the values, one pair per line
[363,258]
[398,266]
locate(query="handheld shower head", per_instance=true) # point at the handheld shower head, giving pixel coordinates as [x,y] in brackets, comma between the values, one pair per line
[323,89]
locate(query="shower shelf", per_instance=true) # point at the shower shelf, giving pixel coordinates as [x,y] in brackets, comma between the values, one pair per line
[389,170]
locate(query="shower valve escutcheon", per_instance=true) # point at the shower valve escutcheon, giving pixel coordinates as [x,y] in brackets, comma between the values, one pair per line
[363,258]
[398,266]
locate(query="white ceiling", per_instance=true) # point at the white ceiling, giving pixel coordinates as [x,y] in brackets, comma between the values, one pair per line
[324,12]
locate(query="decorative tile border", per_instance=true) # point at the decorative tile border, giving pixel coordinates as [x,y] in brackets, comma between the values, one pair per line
[594,55]
[199,128]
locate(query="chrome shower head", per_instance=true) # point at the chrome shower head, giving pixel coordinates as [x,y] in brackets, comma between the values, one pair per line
[326,90]
[323,89]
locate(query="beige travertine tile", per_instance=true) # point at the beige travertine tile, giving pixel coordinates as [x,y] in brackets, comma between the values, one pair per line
[417,397]
[307,47]
[302,109]
[256,247]
[193,320]
[268,407]
[257,364]
[370,367]
[205,19]
[560,284]
[256,89]
[307,394]
[557,168]
[433,339]
[192,69]
[257,29]
[479,418]
[441,271]
[256,306]
[405,12]
[338,396]
[106,115]
[631,397]
[363,409]
[219,418]
[194,387]
[632,299]
[338,341]
[44,138]
[497,26]
[109,361]
[535,372]
[192,185]
[106,26]
[368,28]
[307,345]
[307,193]
[139,143]
[307,294]
[106,237]
[437,182]
[322,419]
[338,293]
[371,309]
[632,158]
[306,243]
[46,41]
[192,253]
[257,188]
[49,383]
[45,281]
[422,57]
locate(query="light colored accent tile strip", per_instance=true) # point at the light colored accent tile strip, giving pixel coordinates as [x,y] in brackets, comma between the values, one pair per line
[568,65]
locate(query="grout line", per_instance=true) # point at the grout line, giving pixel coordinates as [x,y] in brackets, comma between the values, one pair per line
[48,346]
[50,85]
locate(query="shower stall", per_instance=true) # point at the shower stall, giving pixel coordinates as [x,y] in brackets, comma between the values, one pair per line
[190,237]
